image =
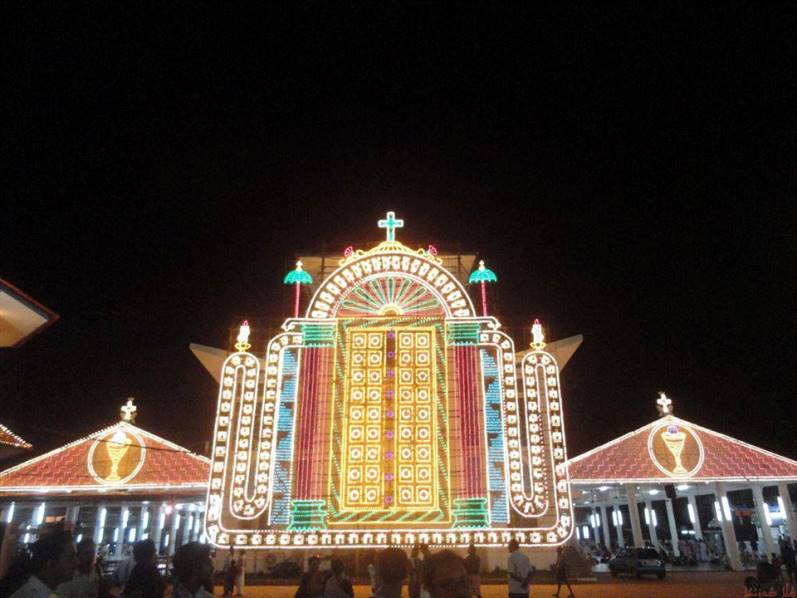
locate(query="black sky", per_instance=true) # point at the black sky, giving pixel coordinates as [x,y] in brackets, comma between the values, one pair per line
[629,175]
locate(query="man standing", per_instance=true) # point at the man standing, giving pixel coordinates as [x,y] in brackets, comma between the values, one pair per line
[85,582]
[789,560]
[473,567]
[520,571]
[52,563]
[192,567]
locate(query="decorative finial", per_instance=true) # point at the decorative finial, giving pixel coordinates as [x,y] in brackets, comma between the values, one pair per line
[482,275]
[297,277]
[538,336]
[129,411]
[242,343]
[664,404]
[391,224]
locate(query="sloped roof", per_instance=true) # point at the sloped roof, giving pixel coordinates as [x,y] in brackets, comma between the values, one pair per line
[119,458]
[7,437]
[648,455]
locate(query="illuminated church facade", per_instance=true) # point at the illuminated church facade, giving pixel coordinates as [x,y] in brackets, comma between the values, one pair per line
[390,413]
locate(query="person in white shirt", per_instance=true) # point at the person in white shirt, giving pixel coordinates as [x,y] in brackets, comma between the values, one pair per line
[520,571]
[52,563]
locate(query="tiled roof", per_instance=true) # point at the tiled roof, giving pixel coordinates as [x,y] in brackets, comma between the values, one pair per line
[628,459]
[153,463]
[9,438]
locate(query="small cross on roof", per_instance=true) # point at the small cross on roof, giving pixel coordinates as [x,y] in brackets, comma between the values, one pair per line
[129,410]
[391,223]
[664,404]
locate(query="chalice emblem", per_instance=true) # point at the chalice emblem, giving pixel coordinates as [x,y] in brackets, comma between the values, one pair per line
[117,447]
[674,440]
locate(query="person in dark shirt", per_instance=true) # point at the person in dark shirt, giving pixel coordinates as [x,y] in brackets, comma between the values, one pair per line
[306,589]
[145,580]
[473,567]
[560,571]
[788,556]
[444,576]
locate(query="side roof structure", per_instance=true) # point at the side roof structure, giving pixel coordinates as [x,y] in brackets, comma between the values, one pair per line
[8,438]
[670,450]
[121,458]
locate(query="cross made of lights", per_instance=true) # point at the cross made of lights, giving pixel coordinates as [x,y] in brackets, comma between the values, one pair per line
[391,224]
[129,411]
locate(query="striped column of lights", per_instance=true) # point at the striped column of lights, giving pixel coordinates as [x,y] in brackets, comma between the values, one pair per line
[389,426]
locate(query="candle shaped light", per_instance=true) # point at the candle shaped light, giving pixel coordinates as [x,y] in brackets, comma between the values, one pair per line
[483,275]
[242,340]
[537,336]
[297,277]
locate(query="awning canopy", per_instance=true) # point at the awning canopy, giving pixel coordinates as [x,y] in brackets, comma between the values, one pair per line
[20,316]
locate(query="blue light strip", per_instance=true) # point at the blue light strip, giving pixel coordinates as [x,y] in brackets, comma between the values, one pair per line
[495,440]
[280,512]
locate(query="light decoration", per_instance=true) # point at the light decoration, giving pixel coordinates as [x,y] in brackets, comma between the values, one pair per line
[664,404]
[726,508]
[669,441]
[131,535]
[129,410]
[482,276]
[781,508]
[691,511]
[40,513]
[100,531]
[390,414]
[717,511]
[297,277]
[390,224]
[10,512]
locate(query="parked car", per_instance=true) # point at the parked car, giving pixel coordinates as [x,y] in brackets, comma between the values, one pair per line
[638,562]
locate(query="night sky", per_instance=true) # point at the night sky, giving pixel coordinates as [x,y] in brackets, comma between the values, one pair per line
[628,176]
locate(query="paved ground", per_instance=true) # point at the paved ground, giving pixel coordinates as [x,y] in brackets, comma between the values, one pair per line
[688,585]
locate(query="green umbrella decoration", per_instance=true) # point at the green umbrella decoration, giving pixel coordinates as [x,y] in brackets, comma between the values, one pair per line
[297,277]
[483,275]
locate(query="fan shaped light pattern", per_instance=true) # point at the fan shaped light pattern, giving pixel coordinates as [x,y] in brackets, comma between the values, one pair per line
[390,296]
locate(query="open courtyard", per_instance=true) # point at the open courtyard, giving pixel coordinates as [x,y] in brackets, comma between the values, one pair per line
[691,585]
